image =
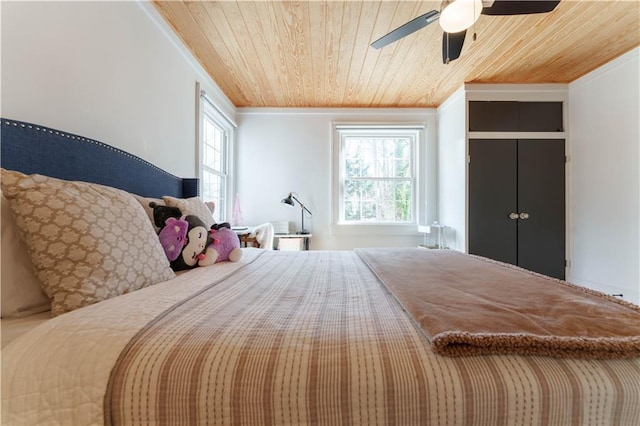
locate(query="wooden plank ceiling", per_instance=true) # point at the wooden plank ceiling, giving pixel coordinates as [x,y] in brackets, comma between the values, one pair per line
[318,54]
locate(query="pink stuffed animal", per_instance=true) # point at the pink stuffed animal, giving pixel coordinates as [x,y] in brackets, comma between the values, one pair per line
[225,247]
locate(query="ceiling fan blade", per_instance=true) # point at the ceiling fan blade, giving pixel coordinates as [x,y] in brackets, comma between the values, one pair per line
[452,45]
[406,29]
[515,7]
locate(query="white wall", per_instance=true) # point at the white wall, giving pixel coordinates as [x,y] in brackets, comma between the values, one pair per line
[605,178]
[452,205]
[284,150]
[110,71]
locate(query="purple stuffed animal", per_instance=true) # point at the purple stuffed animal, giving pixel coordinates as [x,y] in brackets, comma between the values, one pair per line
[173,237]
[225,247]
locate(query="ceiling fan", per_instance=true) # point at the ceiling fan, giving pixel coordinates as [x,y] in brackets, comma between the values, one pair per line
[457,16]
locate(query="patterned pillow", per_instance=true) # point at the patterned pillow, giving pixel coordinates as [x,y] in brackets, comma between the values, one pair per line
[194,206]
[88,242]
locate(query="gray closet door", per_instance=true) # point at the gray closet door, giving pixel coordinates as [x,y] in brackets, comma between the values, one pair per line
[517,202]
[541,199]
[493,196]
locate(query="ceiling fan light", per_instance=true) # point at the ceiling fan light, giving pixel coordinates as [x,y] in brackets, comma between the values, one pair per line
[460,15]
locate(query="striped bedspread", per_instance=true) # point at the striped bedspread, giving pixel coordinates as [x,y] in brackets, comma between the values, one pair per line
[314,338]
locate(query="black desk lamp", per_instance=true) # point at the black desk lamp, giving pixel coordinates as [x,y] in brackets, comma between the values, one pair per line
[289,201]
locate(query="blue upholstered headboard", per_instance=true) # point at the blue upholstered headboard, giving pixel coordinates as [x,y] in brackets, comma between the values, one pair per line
[30,148]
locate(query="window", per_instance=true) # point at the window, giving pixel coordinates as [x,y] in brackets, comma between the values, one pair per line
[377,175]
[215,133]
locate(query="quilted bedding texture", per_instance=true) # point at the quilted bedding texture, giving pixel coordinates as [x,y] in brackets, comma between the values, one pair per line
[288,338]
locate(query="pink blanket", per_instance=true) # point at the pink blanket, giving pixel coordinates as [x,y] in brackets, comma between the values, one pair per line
[468,305]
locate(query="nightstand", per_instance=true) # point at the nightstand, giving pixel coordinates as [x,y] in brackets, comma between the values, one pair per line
[293,242]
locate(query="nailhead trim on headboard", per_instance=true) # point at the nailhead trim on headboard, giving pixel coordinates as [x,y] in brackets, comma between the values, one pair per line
[83,139]
[32,148]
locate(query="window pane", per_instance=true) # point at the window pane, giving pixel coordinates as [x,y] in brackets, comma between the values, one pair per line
[208,156]
[377,157]
[211,185]
[379,200]
[401,168]
[352,190]
[213,145]
[214,189]
[353,168]
[352,210]
[397,206]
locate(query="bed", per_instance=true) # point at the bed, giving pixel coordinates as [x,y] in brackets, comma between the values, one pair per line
[403,336]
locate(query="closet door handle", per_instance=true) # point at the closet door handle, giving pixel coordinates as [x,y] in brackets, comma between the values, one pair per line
[513,216]
[524,215]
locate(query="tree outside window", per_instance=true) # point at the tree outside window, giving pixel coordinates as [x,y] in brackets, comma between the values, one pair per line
[378,176]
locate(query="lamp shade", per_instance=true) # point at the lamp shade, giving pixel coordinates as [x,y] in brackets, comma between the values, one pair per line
[459,15]
[288,201]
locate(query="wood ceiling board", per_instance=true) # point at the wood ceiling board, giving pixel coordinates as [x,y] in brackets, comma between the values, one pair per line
[318,54]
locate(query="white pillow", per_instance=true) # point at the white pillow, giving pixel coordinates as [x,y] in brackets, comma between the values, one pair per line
[192,206]
[144,201]
[22,293]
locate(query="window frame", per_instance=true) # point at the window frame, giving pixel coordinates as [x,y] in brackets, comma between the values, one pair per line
[208,112]
[340,131]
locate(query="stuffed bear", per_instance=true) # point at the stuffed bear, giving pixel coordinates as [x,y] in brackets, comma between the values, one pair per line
[225,247]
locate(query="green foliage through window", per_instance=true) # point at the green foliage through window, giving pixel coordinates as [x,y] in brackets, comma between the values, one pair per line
[378,181]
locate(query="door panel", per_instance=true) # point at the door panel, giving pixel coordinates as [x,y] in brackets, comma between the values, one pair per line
[493,116]
[492,196]
[541,195]
[540,117]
